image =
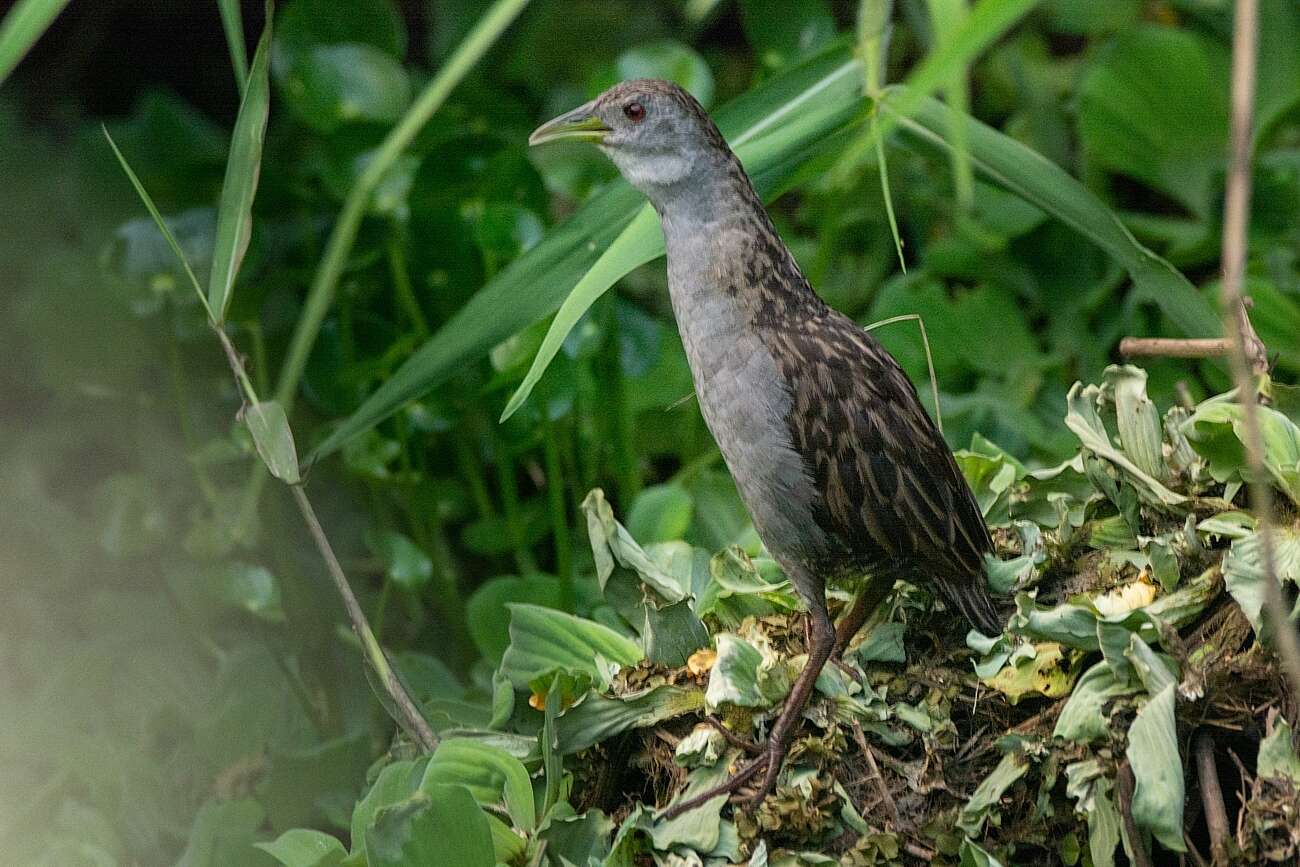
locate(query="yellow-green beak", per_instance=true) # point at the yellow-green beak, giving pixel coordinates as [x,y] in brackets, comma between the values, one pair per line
[581,124]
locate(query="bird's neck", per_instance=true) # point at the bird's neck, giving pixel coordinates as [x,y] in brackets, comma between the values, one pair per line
[722,247]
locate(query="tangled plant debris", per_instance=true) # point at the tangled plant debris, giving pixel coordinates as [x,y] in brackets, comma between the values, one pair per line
[1134,592]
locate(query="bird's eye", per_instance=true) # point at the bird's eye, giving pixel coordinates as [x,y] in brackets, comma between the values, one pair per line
[634,111]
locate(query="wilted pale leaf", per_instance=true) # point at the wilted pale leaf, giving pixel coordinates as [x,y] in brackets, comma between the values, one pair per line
[986,796]
[746,675]
[1277,758]
[1083,419]
[1140,430]
[1158,770]
[1050,672]
[1090,788]
[1086,717]
[1244,573]
[274,440]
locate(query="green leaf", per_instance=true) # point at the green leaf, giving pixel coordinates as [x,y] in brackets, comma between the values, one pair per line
[491,775]
[248,587]
[396,782]
[305,24]
[405,563]
[984,800]
[1158,771]
[782,31]
[660,513]
[1085,717]
[1140,431]
[223,833]
[274,440]
[777,127]
[612,544]
[159,222]
[1037,180]
[243,166]
[973,855]
[1091,790]
[544,641]
[1154,106]
[301,847]
[598,718]
[232,22]
[671,60]
[333,85]
[22,26]
[1277,757]
[440,827]
[746,675]
[1244,571]
[488,610]
[1082,417]
[1207,431]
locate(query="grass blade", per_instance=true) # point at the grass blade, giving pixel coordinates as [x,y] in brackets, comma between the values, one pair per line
[1036,179]
[776,127]
[232,21]
[243,166]
[159,221]
[22,27]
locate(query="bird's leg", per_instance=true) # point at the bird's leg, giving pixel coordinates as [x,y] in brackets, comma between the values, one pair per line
[778,741]
[878,587]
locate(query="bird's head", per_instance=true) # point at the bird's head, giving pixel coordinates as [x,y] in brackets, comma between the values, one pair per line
[656,133]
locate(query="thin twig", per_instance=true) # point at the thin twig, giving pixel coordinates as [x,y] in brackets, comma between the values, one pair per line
[1216,815]
[1249,357]
[1174,347]
[413,720]
[1124,785]
[731,737]
[886,797]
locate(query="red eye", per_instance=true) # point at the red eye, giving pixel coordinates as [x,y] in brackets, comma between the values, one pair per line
[634,111]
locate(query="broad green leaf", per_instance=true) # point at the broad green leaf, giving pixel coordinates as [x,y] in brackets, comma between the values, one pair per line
[544,641]
[612,544]
[671,60]
[396,782]
[1158,770]
[248,587]
[305,24]
[1244,571]
[1091,790]
[243,166]
[300,847]
[972,855]
[984,800]
[597,718]
[1277,757]
[1083,419]
[579,839]
[795,111]
[1037,180]
[488,609]
[1208,429]
[405,563]
[1085,717]
[660,513]
[333,85]
[491,775]
[1154,106]
[22,26]
[1140,430]
[746,675]
[274,440]
[223,833]
[440,827]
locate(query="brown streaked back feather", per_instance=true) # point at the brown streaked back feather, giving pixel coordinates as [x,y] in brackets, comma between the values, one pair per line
[891,493]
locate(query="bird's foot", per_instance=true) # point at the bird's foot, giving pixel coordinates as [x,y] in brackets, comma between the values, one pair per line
[772,759]
[732,738]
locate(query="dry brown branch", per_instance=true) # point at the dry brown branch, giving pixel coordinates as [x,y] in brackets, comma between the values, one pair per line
[1124,784]
[1216,815]
[1174,347]
[1248,357]
[869,755]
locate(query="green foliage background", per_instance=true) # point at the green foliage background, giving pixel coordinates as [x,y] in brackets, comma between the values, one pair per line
[176,683]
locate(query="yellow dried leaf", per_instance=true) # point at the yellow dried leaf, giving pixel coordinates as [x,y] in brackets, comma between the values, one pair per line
[537,701]
[701,661]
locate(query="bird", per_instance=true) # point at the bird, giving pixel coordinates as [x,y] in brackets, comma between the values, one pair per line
[845,476]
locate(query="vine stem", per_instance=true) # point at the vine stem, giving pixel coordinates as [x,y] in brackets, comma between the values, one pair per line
[1248,358]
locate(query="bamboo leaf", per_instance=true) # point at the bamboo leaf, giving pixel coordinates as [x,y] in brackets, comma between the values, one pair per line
[777,127]
[1041,182]
[21,28]
[243,166]
[232,22]
[274,440]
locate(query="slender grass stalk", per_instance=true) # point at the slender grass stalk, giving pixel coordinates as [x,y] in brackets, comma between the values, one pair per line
[509,493]
[24,24]
[620,418]
[402,287]
[471,471]
[873,42]
[555,488]
[929,359]
[232,22]
[321,294]
[1247,359]
[181,394]
[947,17]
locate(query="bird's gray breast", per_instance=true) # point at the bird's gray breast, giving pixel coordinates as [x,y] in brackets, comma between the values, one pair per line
[746,403]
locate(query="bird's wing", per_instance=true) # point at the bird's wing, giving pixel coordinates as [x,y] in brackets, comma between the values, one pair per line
[890,489]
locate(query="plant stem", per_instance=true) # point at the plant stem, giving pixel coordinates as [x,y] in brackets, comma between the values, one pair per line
[410,717]
[510,508]
[1249,357]
[402,287]
[321,294]
[625,457]
[559,512]
[181,394]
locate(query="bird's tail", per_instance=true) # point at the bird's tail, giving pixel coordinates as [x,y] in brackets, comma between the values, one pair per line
[971,597]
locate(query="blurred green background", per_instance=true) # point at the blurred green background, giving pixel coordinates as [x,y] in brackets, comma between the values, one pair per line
[174,678]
